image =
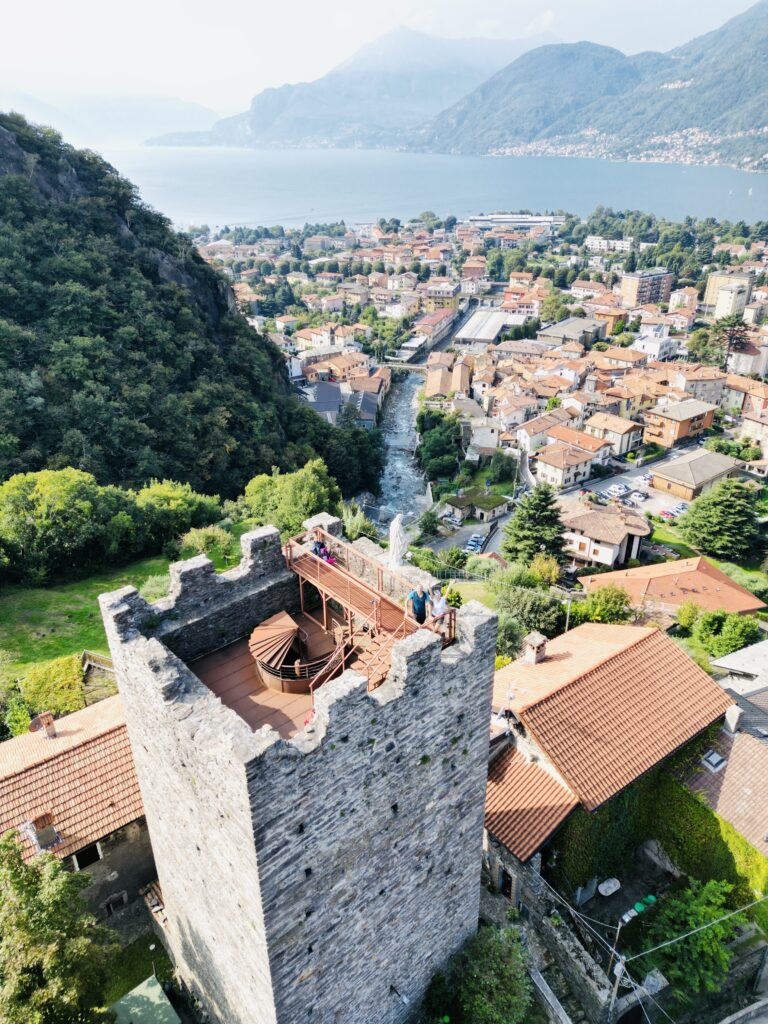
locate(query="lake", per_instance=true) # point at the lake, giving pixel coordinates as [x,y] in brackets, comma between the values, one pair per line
[219,186]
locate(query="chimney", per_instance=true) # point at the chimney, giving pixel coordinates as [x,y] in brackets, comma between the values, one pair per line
[44,721]
[733,718]
[534,648]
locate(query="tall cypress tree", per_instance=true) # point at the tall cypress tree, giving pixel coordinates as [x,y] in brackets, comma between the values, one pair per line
[535,526]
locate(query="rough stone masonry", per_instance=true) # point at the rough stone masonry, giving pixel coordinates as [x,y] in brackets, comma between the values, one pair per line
[325,878]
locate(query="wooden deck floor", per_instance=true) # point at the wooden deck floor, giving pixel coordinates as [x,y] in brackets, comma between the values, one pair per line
[231,674]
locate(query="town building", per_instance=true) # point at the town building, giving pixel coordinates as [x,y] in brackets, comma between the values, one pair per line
[601,534]
[732,299]
[485,325]
[642,286]
[581,329]
[630,695]
[622,434]
[533,433]
[667,425]
[719,279]
[291,804]
[597,447]
[596,243]
[655,343]
[474,504]
[694,473]
[664,586]
[562,465]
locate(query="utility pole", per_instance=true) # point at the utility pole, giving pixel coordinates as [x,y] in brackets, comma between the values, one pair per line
[618,970]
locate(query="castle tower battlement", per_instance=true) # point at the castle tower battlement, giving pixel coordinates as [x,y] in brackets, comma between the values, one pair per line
[325,876]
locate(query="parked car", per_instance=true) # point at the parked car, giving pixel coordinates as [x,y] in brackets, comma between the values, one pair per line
[666,514]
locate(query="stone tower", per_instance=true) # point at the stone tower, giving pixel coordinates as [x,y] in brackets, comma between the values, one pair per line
[323,877]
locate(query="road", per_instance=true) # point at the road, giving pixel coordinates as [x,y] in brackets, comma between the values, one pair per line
[657,502]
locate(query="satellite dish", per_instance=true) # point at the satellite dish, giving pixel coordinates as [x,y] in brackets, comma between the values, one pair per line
[36,724]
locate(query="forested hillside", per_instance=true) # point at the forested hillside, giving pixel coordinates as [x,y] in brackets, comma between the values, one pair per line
[122,353]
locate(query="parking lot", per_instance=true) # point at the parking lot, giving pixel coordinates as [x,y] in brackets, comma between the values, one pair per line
[656,502]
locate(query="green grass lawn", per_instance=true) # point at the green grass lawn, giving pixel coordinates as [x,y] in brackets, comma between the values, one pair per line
[478,481]
[40,623]
[134,964]
[475,591]
[672,539]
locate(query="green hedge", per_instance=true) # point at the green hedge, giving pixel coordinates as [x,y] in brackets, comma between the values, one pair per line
[56,686]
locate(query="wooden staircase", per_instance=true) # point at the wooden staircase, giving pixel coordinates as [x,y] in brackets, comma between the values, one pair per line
[271,641]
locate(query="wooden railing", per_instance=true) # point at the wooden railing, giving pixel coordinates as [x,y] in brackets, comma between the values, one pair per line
[378,577]
[92,659]
[340,652]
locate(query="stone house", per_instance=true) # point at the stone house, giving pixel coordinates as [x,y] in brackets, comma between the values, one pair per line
[597,447]
[477,505]
[630,694]
[72,789]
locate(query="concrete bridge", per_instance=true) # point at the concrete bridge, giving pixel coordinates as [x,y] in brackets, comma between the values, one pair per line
[412,367]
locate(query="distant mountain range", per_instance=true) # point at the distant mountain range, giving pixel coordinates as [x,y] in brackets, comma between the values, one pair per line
[705,102]
[90,120]
[396,82]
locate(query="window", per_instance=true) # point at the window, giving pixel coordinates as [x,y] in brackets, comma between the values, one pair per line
[87,856]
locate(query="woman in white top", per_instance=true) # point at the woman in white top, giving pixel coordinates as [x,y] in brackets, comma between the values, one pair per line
[438,609]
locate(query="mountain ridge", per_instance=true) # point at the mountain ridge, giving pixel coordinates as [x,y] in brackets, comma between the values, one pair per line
[390,84]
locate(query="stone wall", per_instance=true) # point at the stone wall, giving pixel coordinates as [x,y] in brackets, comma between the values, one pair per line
[325,878]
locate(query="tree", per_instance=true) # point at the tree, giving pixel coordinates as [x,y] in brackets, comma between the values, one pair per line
[545,569]
[492,978]
[55,960]
[687,614]
[429,523]
[730,334]
[535,526]
[698,963]
[605,604]
[533,609]
[723,522]
[509,639]
[285,500]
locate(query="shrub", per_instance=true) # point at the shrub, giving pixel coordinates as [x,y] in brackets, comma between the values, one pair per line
[631,456]
[155,587]
[172,508]
[17,716]
[205,539]
[480,566]
[454,599]
[56,686]
[545,569]
[533,609]
[501,661]
[687,614]
[454,557]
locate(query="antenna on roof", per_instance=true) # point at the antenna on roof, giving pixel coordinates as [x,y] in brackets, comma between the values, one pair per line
[44,721]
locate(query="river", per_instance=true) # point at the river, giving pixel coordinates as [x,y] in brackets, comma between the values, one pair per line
[402,484]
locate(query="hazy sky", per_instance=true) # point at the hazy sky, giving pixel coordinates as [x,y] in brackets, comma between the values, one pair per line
[220,54]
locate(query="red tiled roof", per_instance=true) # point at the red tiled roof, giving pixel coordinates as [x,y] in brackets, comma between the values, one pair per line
[607,703]
[738,791]
[672,583]
[83,778]
[524,803]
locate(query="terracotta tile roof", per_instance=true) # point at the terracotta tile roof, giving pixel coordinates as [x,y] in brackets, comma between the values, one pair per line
[83,778]
[614,424]
[607,703]
[571,436]
[524,803]
[562,456]
[738,792]
[671,583]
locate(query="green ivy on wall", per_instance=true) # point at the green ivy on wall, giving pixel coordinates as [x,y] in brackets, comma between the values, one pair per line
[658,806]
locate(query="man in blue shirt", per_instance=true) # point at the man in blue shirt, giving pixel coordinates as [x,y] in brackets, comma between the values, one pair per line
[417,604]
